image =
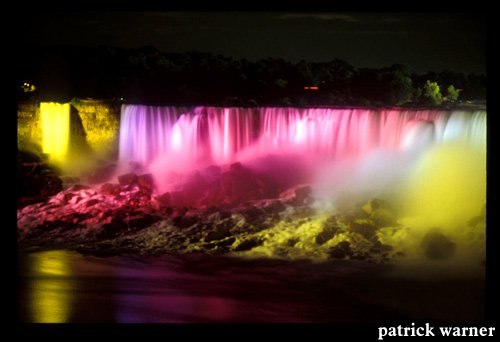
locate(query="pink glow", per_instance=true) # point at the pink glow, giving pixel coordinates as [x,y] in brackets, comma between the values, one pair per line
[183,139]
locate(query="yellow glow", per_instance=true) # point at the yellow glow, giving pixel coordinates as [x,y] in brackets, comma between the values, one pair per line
[277,240]
[101,126]
[449,186]
[51,292]
[446,191]
[55,129]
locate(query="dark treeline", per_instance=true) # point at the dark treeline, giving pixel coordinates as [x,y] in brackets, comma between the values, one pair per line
[147,75]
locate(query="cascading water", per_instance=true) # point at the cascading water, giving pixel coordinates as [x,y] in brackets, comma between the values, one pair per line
[54,119]
[146,132]
[308,182]
[221,135]
[201,134]
[430,164]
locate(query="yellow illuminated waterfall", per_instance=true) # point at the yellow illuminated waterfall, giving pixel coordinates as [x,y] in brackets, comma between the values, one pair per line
[55,129]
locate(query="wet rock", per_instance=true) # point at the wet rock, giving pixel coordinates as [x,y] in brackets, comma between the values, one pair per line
[194,188]
[360,256]
[342,250]
[75,199]
[304,212]
[179,212]
[77,217]
[437,246]
[91,202]
[373,205]
[121,213]
[70,180]
[178,199]
[221,246]
[102,174]
[146,183]
[29,200]
[142,221]
[127,179]
[104,214]
[297,195]
[67,197]
[383,217]
[248,244]
[35,180]
[240,184]
[55,224]
[359,213]
[274,207]
[253,215]
[302,194]
[226,242]
[185,221]
[110,189]
[78,187]
[88,193]
[380,248]
[238,223]
[218,216]
[27,157]
[326,234]
[217,234]
[363,227]
[164,200]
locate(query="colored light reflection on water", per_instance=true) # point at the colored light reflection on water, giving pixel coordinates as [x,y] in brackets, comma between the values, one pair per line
[62,286]
[50,295]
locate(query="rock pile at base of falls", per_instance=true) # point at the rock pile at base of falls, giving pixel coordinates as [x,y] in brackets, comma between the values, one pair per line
[36,180]
[128,216]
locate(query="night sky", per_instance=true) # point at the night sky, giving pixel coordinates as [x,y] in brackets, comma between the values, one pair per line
[422,41]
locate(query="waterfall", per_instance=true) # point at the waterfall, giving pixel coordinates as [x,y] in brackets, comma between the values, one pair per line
[220,135]
[54,119]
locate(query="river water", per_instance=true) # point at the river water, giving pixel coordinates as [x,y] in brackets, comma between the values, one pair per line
[62,286]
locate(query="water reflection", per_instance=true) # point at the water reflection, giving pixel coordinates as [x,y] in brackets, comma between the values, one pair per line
[60,286]
[51,293]
[169,297]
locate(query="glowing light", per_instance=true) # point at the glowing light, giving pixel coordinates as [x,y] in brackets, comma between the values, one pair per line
[176,138]
[55,129]
[222,135]
[448,186]
[100,125]
[51,292]
[28,88]
[300,135]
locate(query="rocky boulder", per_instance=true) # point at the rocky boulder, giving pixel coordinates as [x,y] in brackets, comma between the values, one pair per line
[297,195]
[36,180]
[342,250]
[146,183]
[437,246]
[127,179]
[110,189]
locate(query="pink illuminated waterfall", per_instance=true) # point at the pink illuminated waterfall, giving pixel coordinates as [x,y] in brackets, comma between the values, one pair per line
[221,135]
